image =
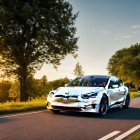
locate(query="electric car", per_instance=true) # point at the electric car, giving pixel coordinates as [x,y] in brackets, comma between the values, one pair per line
[93,93]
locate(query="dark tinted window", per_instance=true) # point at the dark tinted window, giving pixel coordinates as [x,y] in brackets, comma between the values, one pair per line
[75,82]
[112,82]
[89,81]
[115,81]
[120,82]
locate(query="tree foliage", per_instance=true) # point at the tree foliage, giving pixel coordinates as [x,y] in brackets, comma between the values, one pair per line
[4,88]
[78,70]
[14,91]
[33,32]
[36,87]
[125,64]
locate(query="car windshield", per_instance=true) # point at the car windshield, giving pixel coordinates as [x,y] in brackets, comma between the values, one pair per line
[89,82]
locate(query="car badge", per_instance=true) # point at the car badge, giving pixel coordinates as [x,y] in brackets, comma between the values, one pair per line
[66,93]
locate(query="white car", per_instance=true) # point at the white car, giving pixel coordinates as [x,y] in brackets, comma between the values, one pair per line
[93,93]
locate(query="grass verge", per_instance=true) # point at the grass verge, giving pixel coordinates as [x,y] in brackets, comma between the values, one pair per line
[134,94]
[10,107]
[135,137]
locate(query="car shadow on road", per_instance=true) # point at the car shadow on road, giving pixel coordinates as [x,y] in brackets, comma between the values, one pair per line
[117,113]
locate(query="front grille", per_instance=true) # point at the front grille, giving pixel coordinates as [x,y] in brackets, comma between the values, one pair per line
[59,96]
[66,108]
[67,96]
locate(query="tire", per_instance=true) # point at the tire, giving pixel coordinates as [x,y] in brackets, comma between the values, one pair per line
[127,101]
[54,111]
[103,106]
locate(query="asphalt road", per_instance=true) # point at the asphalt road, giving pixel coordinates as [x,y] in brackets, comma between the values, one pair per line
[44,125]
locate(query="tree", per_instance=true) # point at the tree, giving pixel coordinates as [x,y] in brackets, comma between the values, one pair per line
[125,64]
[33,32]
[78,70]
[4,88]
[14,91]
[44,80]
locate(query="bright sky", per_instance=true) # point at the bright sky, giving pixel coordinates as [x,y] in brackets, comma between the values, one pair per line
[103,27]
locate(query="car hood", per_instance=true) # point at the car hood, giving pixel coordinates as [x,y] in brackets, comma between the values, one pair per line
[77,90]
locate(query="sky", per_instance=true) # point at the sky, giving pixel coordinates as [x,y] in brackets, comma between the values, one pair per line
[103,27]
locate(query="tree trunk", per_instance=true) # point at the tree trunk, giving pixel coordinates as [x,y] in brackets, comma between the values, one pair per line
[23,88]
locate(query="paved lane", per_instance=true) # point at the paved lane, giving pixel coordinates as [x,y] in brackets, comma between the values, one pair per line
[44,125]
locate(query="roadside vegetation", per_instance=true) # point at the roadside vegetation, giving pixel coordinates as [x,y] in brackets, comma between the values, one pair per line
[18,106]
[135,137]
[38,90]
[125,64]
[134,94]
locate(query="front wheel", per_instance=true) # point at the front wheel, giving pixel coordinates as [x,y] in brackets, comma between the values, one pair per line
[103,106]
[127,101]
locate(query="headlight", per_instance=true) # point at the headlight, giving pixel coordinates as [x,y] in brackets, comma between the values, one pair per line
[51,94]
[89,95]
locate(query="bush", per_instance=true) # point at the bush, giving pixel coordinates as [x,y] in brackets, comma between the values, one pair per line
[4,94]
[36,88]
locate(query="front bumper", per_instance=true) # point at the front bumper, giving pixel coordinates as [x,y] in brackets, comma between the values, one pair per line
[77,106]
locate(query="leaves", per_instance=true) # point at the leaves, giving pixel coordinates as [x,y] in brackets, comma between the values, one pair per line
[125,64]
[33,32]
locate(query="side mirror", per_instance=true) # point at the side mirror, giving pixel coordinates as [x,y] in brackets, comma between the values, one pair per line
[51,94]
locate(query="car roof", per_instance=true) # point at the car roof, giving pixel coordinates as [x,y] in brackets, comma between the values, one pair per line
[97,76]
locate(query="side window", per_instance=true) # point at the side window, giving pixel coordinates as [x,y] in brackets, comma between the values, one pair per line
[120,82]
[111,83]
[114,83]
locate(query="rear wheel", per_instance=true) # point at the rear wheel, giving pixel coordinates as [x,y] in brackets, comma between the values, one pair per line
[103,106]
[127,101]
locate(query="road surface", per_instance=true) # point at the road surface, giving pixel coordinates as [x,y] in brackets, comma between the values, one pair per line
[43,125]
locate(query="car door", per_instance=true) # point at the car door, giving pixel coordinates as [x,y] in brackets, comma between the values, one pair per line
[114,91]
[122,91]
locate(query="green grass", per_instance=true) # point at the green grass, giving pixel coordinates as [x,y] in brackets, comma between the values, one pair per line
[134,94]
[135,137]
[35,104]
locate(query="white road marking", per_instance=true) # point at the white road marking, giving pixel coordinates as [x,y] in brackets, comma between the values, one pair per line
[21,114]
[127,133]
[110,135]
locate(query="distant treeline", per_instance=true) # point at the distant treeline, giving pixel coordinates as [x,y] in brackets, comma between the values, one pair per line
[36,88]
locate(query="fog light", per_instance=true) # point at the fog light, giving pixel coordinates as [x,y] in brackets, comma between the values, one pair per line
[96,105]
